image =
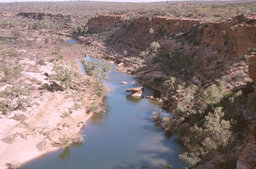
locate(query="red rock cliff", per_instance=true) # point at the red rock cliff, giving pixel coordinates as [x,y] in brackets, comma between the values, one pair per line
[103,23]
[229,38]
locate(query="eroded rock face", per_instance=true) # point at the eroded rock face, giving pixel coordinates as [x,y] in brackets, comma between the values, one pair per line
[230,38]
[247,157]
[103,23]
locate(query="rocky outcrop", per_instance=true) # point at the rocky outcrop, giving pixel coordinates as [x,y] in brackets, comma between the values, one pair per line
[103,23]
[142,31]
[136,92]
[210,48]
[229,38]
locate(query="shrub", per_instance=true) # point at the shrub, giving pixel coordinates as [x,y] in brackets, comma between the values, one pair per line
[16,33]
[46,40]
[64,76]
[41,62]
[18,90]
[12,52]
[97,69]
[190,159]
[215,93]
[15,97]
[154,46]
[217,129]
[66,141]
[57,53]
[151,30]
[125,53]
[36,25]
[188,100]
[12,73]
[79,29]
[7,23]
[144,54]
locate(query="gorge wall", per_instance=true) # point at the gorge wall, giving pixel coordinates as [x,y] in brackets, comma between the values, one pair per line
[193,53]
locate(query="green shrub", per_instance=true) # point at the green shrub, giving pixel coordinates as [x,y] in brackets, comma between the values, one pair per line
[80,29]
[151,30]
[41,62]
[18,90]
[154,46]
[37,25]
[57,53]
[7,23]
[144,54]
[46,40]
[11,73]
[16,33]
[190,159]
[215,93]
[187,101]
[12,52]
[218,130]
[64,76]
[15,97]
[97,69]
[4,106]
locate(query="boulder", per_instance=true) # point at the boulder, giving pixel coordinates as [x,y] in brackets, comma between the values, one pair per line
[136,92]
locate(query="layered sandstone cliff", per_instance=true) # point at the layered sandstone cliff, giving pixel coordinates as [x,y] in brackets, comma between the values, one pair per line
[103,23]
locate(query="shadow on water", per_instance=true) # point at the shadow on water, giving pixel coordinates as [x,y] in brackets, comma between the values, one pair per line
[124,136]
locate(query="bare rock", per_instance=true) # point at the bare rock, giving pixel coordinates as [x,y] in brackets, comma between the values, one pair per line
[134,90]
[137,94]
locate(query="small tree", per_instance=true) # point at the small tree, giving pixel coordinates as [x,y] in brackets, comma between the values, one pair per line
[217,129]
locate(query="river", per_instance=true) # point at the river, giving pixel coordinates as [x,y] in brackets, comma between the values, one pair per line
[123,136]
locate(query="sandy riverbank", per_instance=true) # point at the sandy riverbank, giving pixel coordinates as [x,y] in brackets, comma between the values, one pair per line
[45,100]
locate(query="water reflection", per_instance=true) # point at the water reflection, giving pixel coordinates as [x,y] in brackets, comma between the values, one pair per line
[133,99]
[65,155]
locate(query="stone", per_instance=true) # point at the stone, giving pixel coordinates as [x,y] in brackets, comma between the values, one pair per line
[136,92]
[135,89]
